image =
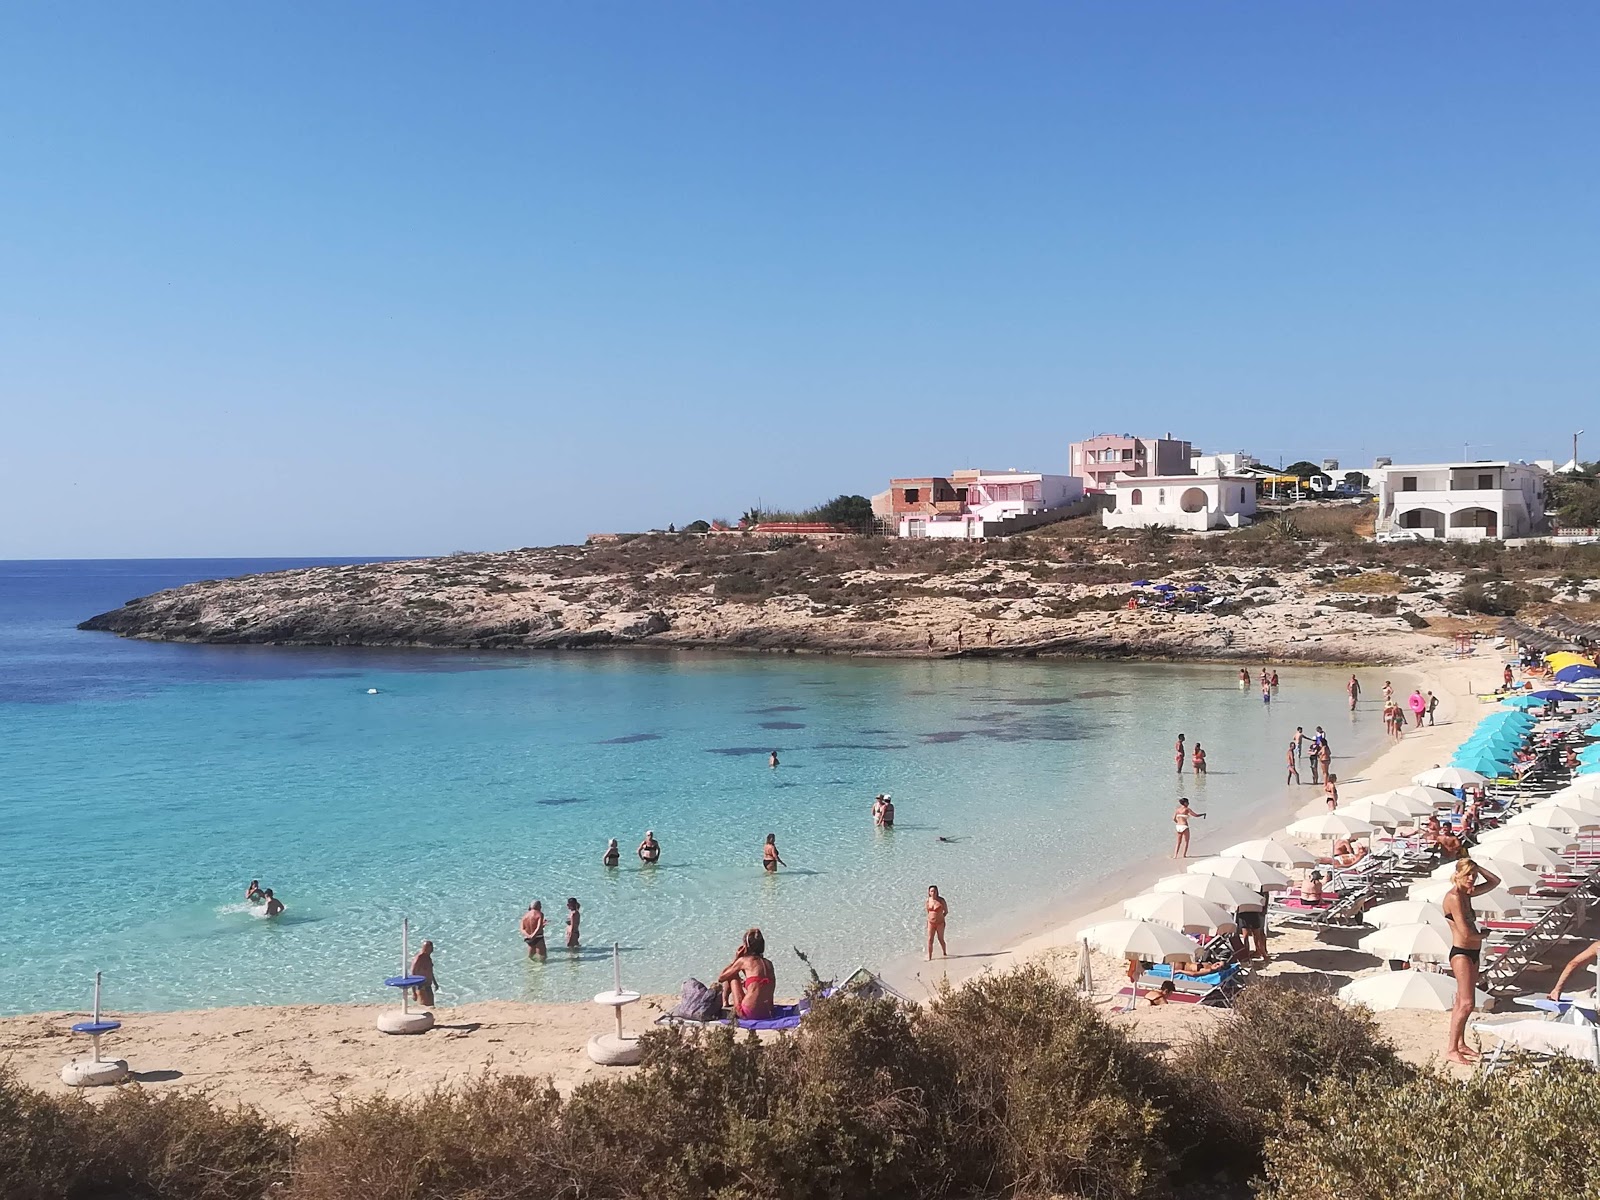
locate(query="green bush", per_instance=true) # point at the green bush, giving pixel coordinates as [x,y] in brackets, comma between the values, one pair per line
[1235,1084]
[1514,1135]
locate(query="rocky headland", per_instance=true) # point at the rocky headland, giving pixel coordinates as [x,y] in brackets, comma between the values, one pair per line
[1033,596]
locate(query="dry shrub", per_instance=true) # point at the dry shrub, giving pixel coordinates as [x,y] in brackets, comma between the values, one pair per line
[1050,1098]
[134,1145]
[1371,583]
[1525,1135]
[1235,1084]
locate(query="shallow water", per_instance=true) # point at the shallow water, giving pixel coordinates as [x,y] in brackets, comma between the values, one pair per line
[142,786]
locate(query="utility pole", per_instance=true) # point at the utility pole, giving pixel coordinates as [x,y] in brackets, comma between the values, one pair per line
[1575,450]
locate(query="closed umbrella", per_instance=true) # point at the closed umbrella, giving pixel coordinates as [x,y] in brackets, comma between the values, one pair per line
[1378,814]
[1448,777]
[1424,991]
[1331,825]
[1188,914]
[1271,850]
[1226,892]
[1242,870]
[1420,941]
[1531,835]
[1143,941]
[1406,912]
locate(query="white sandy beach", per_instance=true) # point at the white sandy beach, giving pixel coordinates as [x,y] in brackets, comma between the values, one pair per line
[295,1060]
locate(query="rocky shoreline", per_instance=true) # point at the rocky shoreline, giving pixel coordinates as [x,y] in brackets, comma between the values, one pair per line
[806,599]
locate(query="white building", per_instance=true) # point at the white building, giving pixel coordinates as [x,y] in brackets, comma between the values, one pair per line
[1221,464]
[1461,500]
[975,504]
[1188,502]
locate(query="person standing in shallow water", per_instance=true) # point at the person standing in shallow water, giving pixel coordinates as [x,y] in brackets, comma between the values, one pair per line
[772,759]
[613,855]
[938,911]
[532,926]
[1294,763]
[1182,754]
[770,859]
[1199,760]
[572,922]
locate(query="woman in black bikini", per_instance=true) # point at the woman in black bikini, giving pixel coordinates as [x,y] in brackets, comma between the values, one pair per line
[1466,942]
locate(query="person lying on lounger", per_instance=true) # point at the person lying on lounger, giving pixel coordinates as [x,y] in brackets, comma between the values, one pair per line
[1589,955]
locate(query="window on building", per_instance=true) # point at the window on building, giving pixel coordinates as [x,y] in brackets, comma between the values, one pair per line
[1136,497]
[1485,482]
[1241,495]
[1161,495]
[1408,483]
[961,495]
[913,495]
[1127,456]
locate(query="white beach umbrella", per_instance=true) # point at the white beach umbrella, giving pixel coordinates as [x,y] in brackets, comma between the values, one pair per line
[1188,914]
[1427,991]
[1563,820]
[1532,835]
[1271,850]
[1582,785]
[1419,801]
[1430,890]
[1215,888]
[1514,877]
[1376,813]
[1331,825]
[1420,941]
[1495,903]
[1521,854]
[1144,941]
[1448,777]
[1582,804]
[1405,912]
[1258,875]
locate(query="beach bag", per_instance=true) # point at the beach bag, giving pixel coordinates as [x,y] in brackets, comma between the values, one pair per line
[697,1002]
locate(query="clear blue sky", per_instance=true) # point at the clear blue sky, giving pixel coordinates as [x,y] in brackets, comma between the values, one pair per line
[387,278]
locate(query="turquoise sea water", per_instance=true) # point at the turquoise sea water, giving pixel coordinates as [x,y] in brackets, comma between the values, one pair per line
[142,786]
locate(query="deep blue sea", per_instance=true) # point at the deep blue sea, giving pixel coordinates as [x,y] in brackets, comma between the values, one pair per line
[143,785]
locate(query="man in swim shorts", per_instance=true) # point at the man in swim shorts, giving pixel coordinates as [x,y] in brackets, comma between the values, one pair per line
[533,930]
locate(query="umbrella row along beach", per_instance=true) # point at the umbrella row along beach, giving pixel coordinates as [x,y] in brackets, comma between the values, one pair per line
[1521,795]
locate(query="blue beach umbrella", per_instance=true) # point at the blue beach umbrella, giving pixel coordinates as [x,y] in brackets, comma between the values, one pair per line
[1510,718]
[1556,694]
[1197,587]
[1141,583]
[1165,587]
[1522,701]
[1576,672]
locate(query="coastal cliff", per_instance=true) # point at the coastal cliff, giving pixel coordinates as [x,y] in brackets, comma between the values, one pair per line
[857,597]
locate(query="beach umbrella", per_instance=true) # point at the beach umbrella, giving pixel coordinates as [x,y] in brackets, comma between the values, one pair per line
[1488,765]
[1528,835]
[1419,941]
[1197,587]
[1141,583]
[1577,671]
[1565,658]
[1143,941]
[1331,825]
[1187,914]
[1586,689]
[1378,814]
[1165,587]
[1577,801]
[1514,877]
[1522,700]
[1258,875]
[1424,991]
[1448,777]
[1406,912]
[1214,888]
[1271,850]
[1579,787]
[1567,820]
[1418,801]
[1497,902]
[1559,695]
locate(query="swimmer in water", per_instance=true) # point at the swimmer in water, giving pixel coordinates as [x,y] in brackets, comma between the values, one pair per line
[772,759]
[770,859]
[253,894]
[649,850]
[274,905]
[613,855]
[532,926]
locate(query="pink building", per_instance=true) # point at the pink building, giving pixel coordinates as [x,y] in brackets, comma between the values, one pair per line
[1100,459]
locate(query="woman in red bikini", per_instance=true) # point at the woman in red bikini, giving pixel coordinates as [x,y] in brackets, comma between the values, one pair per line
[748,981]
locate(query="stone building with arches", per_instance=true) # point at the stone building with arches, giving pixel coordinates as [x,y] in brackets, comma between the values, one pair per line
[1193,503]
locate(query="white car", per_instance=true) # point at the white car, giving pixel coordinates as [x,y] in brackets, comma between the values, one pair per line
[1402,535]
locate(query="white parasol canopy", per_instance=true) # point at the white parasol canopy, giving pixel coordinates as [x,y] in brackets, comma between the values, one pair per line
[1564,820]
[1376,813]
[1449,777]
[1513,875]
[1427,991]
[1258,875]
[1215,888]
[1143,941]
[1495,903]
[1332,825]
[1188,914]
[1272,851]
[1523,854]
[1419,801]
[1547,839]
[1583,785]
[1420,941]
[1406,912]
[1580,804]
